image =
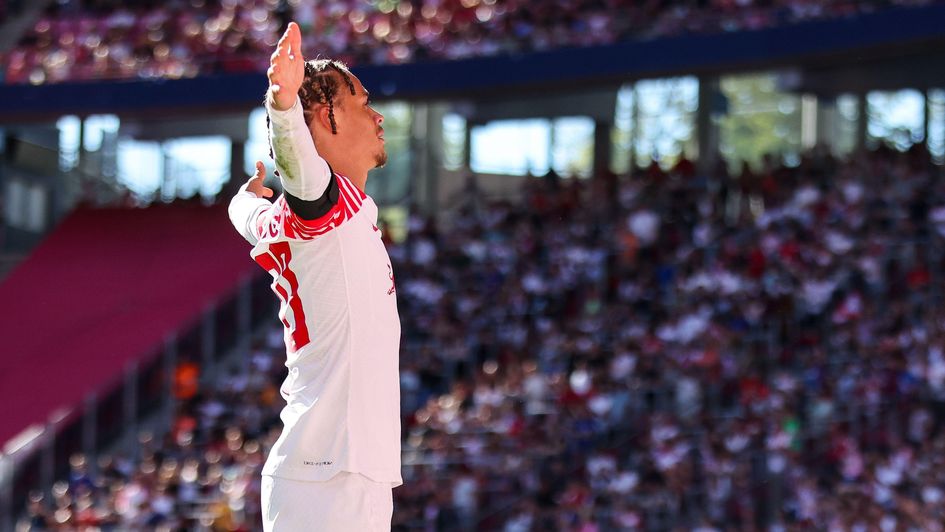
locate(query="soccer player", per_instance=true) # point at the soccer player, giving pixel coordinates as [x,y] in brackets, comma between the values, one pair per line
[338,457]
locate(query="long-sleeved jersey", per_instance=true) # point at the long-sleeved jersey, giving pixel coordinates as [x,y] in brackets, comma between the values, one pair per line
[338,306]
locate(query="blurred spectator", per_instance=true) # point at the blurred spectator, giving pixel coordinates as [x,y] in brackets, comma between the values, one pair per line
[100,39]
[186,379]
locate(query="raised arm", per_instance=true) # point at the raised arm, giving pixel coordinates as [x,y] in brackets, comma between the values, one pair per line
[304,174]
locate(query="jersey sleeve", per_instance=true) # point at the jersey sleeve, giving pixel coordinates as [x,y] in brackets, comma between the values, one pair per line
[303,172]
[245,211]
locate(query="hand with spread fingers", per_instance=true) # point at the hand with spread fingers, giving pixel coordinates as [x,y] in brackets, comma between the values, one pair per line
[286,69]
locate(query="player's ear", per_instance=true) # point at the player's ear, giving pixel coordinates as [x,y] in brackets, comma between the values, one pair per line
[323,117]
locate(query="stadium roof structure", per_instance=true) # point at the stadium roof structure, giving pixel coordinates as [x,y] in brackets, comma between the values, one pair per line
[860,44]
[105,289]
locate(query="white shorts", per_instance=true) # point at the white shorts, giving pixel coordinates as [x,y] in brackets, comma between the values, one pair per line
[344,503]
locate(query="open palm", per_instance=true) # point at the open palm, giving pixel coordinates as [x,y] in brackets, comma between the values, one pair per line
[286,68]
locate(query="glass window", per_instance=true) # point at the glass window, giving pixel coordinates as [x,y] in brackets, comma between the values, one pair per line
[514,147]
[896,118]
[140,167]
[666,118]
[96,129]
[196,165]
[761,120]
[572,151]
[847,123]
[936,127]
[68,127]
[257,144]
[454,141]
[621,136]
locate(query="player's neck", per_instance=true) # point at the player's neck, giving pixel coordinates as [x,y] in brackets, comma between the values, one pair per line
[357,179]
[341,165]
[341,161]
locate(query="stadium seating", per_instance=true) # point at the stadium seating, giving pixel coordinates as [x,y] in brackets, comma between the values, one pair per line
[82,40]
[75,290]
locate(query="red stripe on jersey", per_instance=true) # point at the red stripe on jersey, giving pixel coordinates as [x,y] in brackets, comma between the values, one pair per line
[345,201]
[357,191]
[262,229]
[354,193]
[276,261]
[348,204]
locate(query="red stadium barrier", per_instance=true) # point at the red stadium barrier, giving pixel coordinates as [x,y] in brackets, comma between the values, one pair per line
[103,290]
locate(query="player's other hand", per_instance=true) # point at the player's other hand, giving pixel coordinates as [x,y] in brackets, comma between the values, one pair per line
[286,69]
[255,183]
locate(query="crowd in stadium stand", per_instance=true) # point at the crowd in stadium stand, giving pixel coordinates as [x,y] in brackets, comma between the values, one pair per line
[95,39]
[765,350]
[677,351]
[202,475]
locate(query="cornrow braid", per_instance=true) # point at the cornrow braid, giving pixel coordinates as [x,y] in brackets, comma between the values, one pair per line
[320,86]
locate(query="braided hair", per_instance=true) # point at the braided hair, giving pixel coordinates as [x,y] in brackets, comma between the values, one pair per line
[320,86]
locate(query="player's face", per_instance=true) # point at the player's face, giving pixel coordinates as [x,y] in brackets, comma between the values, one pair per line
[359,125]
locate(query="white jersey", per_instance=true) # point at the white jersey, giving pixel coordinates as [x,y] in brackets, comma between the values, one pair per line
[338,305]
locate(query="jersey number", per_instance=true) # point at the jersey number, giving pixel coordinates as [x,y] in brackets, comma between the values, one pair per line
[286,286]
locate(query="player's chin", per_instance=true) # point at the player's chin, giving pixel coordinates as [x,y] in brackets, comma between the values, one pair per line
[380,159]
